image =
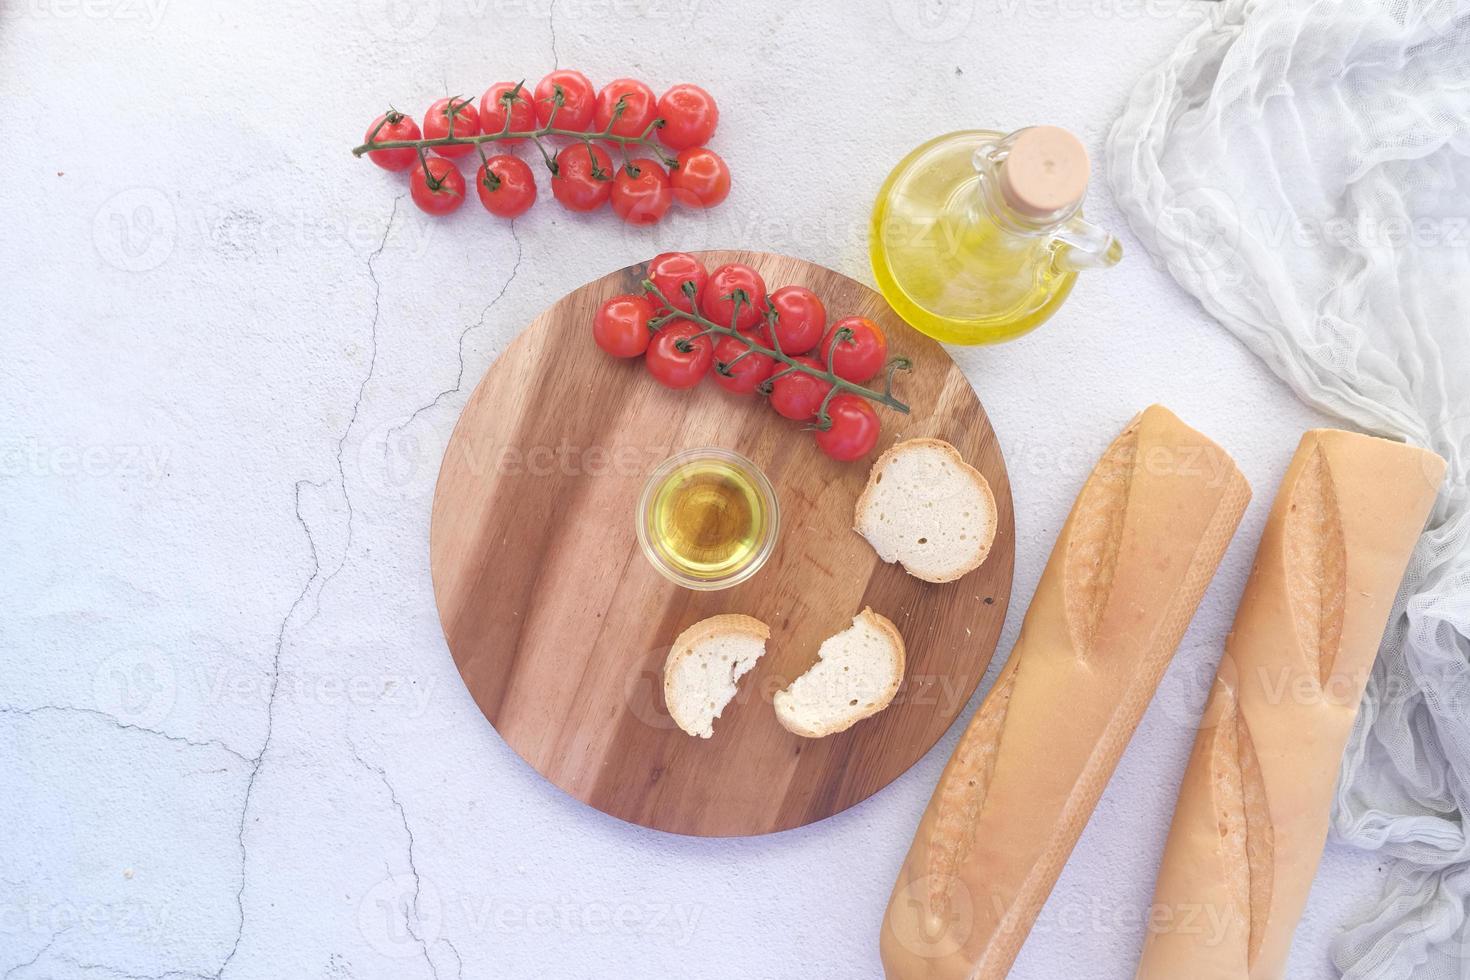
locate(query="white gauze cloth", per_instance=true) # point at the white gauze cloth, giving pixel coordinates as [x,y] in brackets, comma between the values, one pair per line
[1303,168]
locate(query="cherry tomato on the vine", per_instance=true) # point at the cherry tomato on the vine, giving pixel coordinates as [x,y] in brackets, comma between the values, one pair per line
[854,430]
[800,318]
[860,356]
[641,198]
[457,112]
[717,300]
[675,368]
[493,110]
[578,98]
[640,107]
[441,190]
[747,368]
[690,116]
[393,125]
[701,179]
[584,177]
[506,185]
[670,270]
[621,325]
[797,395]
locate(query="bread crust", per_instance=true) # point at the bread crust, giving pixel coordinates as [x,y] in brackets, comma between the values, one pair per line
[1128,570]
[691,637]
[896,649]
[864,501]
[1344,523]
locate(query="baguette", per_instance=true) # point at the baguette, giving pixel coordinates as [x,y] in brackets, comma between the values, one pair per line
[1253,808]
[1132,561]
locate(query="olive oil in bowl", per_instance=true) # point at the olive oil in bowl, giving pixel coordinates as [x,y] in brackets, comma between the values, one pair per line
[707,519]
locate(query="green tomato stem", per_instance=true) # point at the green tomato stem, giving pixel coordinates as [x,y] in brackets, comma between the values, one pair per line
[838,384]
[535,135]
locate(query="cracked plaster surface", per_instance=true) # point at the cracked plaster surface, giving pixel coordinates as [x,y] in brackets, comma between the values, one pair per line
[232,744]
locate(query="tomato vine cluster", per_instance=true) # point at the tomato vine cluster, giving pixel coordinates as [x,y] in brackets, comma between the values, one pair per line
[690,323]
[667,133]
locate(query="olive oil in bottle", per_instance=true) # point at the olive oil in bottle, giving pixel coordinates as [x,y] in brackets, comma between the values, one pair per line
[977,236]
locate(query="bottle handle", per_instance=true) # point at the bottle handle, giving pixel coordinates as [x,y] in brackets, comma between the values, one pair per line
[1086,246]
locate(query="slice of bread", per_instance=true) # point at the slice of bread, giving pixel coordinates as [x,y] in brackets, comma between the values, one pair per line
[705,665]
[856,675]
[928,509]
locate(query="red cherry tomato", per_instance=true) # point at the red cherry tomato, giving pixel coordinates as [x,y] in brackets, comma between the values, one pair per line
[621,325]
[800,318]
[675,368]
[493,110]
[506,185]
[797,395]
[642,199]
[441,190]
[747,368]
[860,356]
[454,116]
[854,430]
[640,107]
[584,177]
[701,179]
[717,300]
[578,99]
[393,125]
[669,271]
[690,116]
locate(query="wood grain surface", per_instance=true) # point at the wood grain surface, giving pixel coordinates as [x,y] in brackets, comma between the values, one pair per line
[560,626]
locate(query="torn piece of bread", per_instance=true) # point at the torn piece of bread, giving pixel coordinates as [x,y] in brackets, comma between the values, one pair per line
[705,665]
[928,509]
[856,675]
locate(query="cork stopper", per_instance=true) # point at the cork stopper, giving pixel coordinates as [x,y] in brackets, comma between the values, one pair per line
[1045,172]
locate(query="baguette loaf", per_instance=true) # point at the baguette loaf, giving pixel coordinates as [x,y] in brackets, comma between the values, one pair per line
[1132,561]
[1254,804]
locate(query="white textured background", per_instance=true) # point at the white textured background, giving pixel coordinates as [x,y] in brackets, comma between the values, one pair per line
[232,741]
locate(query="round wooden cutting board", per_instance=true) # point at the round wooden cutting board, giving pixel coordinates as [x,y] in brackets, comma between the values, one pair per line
[560,626]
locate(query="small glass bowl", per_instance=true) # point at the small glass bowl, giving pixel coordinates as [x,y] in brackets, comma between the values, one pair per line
[707,519]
